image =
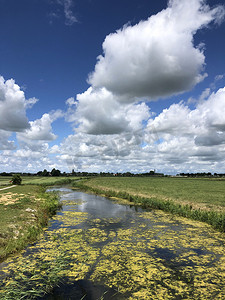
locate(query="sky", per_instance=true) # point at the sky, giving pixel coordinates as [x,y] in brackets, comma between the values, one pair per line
[112,86]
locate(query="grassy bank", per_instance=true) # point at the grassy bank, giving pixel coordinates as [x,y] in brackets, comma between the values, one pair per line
[38,180]
[198,199]
[24,211]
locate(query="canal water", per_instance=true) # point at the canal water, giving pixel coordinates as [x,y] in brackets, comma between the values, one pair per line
[96,248]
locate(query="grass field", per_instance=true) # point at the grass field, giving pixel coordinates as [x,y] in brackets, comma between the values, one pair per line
[37,180]
[197,192]
[198,198]
[5,180]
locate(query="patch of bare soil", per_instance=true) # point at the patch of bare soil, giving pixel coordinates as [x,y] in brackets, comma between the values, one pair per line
[8,198]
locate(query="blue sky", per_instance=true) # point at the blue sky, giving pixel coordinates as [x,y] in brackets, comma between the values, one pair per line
[116,86]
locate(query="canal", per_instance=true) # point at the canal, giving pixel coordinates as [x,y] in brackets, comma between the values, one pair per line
[96,248]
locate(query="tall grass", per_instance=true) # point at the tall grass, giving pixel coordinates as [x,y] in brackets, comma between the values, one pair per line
[22,284]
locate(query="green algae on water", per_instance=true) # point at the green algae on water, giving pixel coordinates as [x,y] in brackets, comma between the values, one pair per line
[154,256]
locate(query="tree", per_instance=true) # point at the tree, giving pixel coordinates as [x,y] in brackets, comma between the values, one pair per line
[55,172]
[45,173]
[16,179]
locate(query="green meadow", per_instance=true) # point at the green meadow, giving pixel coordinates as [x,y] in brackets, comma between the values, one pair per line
[38,180]
[196,191]
[5,181]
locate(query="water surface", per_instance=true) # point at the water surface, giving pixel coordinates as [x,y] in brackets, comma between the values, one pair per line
[96,248]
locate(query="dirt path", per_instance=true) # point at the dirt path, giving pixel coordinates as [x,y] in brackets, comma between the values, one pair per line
[8,187]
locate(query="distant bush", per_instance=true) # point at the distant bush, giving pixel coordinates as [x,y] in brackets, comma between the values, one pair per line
[16,179]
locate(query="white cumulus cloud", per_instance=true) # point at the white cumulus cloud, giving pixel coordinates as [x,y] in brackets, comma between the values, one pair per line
[192,136]
[41,129]
[157,57]
[98,111]
[13,105]
[179,139]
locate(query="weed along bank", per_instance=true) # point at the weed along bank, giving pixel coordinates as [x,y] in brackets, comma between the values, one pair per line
[25,211]
[96,248]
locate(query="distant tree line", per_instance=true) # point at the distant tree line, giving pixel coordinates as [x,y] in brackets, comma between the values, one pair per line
[204,174]
[20,173]
[56,172]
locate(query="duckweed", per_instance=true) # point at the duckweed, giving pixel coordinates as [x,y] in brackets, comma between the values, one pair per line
[152,256]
